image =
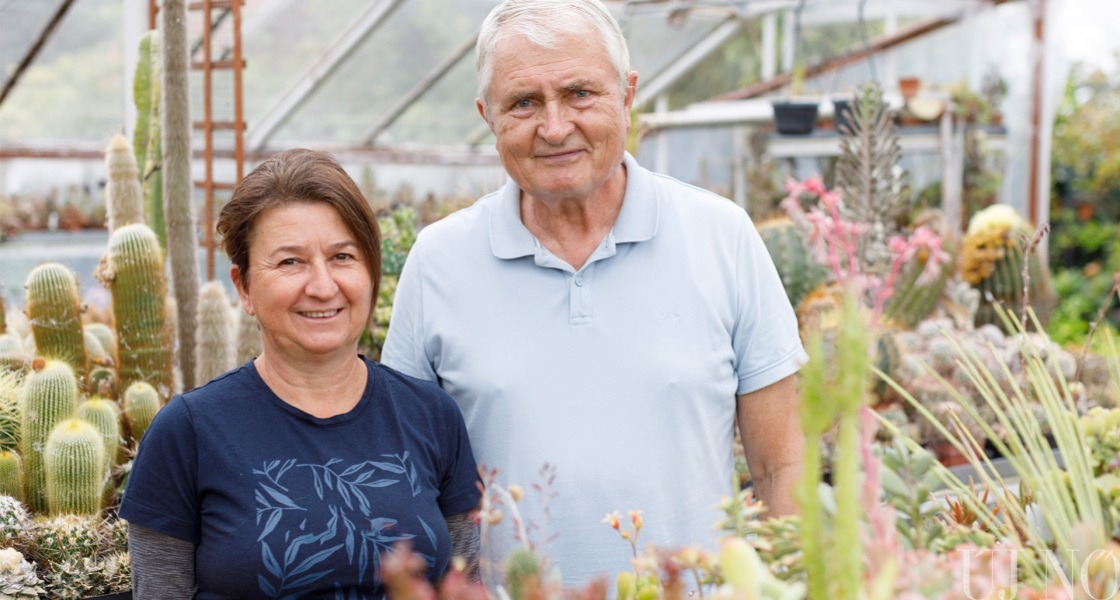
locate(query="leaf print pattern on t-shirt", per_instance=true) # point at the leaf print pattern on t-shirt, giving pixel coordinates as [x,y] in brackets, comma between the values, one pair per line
[294,550]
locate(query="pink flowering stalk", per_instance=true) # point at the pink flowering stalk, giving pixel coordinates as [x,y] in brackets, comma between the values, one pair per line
[881,542]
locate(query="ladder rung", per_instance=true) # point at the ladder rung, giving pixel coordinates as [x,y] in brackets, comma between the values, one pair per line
[217,125]
[218,64]
[214,4]
[217,185]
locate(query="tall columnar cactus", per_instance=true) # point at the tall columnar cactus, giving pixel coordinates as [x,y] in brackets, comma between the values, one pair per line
[12,357]
[248,337]
[141,403]
[50,396]
[147,136]
[215,332]
[132,269]
[11,474]
[55,311]
[992,258]
[10,387]
[105,337]
[75,464]
[182,241]
[105,416]
[124,200]
[800,272]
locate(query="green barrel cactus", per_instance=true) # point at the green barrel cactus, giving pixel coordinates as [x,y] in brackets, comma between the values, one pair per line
[123,197]
[141,403]
[50,396]
[12,356]
[912,300]
[55,311]
[799,271]
[105,416]
[132,269]
[215,332]
[10,386]
[75,463]
[993,256]
[56,539]
[11,474]
[103,382]
[105,337]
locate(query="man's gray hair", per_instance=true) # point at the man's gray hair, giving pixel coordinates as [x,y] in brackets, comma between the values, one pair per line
[544,22]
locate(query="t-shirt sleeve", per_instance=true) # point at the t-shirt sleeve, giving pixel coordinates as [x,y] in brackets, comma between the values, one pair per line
[162,486]
[459,486]
[766,341]
[404,342]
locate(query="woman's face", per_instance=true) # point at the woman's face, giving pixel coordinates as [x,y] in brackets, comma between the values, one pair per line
[308,285]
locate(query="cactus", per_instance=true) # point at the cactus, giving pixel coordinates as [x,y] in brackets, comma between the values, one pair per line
[3,313]
[215,326]
[132,269]
[105,336]
[147,138]
[182,240]
[94,350]
[105,416]
[11,474]
[910,302]
[50,396]
[123,196]
[114,535]
[103,382]
[75,464]
[15,521]
[54,308]
[18,579]
[141,402]
[54,539]
[992,259]
[116,572]
[248,338]
[10,384]
[12,357]
[800,272]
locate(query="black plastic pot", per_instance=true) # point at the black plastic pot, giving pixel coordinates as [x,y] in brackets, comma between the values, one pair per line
[117,596]
[797,118]
[841,114]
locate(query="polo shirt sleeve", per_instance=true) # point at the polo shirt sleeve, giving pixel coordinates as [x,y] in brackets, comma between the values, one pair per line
[162,487]
[765,337]
[404,342]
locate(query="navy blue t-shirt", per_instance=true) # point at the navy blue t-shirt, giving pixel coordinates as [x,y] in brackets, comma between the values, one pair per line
[281,504]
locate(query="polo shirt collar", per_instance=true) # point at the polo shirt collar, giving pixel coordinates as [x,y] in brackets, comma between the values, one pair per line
[637,221]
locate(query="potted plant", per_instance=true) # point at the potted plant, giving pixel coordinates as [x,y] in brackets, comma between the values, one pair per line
[795,116]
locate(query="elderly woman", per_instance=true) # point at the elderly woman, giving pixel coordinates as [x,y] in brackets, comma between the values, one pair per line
[292,475]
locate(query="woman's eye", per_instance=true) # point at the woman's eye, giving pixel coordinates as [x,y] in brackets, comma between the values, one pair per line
[287,262]
[343,256]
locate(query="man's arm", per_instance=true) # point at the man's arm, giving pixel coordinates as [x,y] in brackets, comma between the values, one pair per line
[773,443]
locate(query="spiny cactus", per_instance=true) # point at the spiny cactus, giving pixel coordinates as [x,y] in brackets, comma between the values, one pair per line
[3,312]
[12,357]
[992,259]
[11,474]
[105,337]
[141,402]
[73,578]
[910,301]
[105,416]
[18,580]
[248,337]
[15,521]
[53,539]
[132,269]
[123,197]
[10,385]
[147,137]
[75,464]
[55,311]
[50,396]
[215,326]
[114,536]
[116,573]
[94,350]
[800,272]
[182,239]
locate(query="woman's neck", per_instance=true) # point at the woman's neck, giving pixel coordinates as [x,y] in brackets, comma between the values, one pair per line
[325,391]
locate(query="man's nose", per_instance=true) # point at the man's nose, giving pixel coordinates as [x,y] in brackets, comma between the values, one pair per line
[556,123]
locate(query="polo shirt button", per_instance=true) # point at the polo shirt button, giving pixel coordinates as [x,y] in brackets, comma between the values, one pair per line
[579,280]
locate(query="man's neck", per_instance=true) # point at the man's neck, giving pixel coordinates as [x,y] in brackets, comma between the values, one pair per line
[572,228]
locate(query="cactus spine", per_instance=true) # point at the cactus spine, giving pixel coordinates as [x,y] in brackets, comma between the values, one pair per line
[182,242]
[132,269]
[106,418]
[215,324]
[248,337]
[50,396]
[141,403]
[54,308]
[75,462]
[799,271]
[124,198]
[11,474]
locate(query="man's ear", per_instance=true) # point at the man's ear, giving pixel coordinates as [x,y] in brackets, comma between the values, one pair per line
[482,113]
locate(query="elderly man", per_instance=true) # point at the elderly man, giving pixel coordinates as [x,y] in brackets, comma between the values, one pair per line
[595,316]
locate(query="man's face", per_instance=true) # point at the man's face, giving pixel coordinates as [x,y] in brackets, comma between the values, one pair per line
[559,116]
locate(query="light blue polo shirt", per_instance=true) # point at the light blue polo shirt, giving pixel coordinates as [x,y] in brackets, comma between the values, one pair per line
[622,375]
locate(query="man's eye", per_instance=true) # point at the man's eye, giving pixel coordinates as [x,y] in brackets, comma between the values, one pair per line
[523,103]
[582,94]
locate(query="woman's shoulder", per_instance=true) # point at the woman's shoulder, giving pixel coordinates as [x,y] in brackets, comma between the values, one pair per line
[237,382]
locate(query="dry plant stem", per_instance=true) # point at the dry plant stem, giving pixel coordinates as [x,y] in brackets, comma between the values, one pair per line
[1113,293]
[1030,247]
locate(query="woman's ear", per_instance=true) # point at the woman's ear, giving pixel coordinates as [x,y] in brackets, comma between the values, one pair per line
[242,290]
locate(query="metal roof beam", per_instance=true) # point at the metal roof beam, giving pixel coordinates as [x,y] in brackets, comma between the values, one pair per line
[338,52]
[661,82]
[29,57]
[426,83]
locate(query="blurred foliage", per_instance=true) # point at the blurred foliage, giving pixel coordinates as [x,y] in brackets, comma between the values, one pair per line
[1085,259]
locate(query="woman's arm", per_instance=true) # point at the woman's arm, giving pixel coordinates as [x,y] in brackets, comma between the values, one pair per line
[465,540]
[162,566]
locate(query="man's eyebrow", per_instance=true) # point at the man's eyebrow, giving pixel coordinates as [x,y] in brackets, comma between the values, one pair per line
[578,85]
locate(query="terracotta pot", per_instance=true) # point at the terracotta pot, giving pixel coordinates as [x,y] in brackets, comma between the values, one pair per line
[909,87]
[948,454]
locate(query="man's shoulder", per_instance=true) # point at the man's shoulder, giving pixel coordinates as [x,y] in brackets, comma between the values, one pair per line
[695,202]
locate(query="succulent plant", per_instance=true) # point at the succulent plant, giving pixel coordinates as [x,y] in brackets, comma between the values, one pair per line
[18,580]
[105,416]
[11,474]
[141,402]
[105,336]
[215,329]
[54,539]
[76,468]
[116,573]
[994,251]
[55,311]
[15,522]
[12,356]
[50,396]
[73,578]
[249,337]
[799,270]
[114,536]
[124,198]
[10,391]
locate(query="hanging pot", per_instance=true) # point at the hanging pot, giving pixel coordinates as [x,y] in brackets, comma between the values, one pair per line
[796,118]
